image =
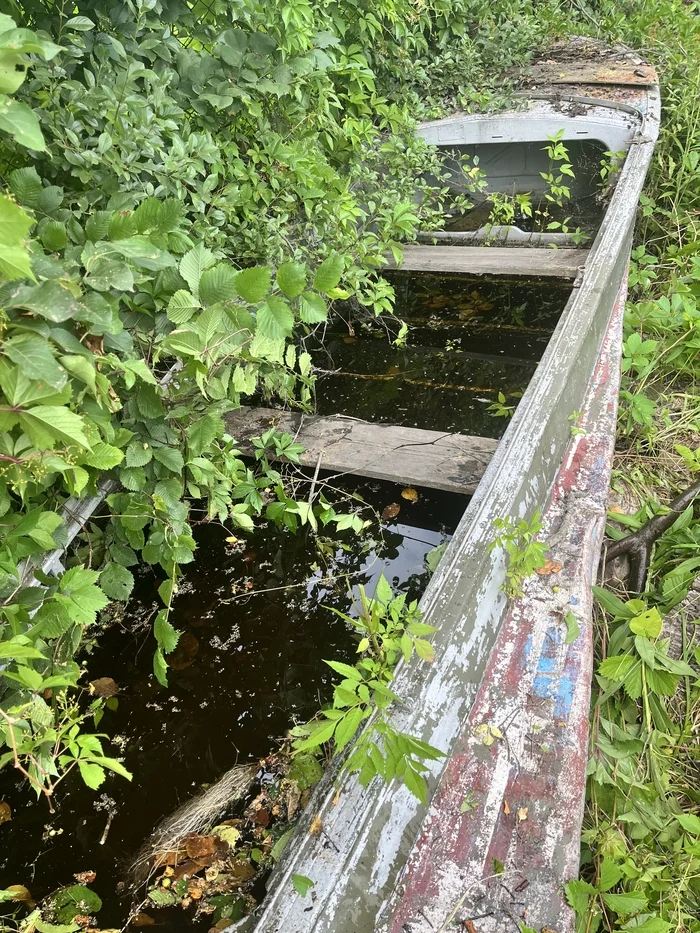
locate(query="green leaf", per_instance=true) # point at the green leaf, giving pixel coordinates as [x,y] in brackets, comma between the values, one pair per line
[202,433]
[346,670]
[182,306]
[53,422]
[291,278]
[572,627]
[170,457]
[275,319]
[652,925]
[80,24]
[138,454]
[689,822]
[302,884]
[26,186]
[166,636]
[218,284]
[106,274]
[578,894]
[193,264]
[647,623]
[160,668]
[93,775]
[312,308]
[104,456]
[17,119]
[116,581]
[74,901]
[610,874]
[33,354]
[625,904]
[279,846]
[322,733]
[80,596]
[329,273]
[415,782]
[347,727]
[254,284]
[17,651]
[15,263]
[611,603]
[618,667]
[15,223]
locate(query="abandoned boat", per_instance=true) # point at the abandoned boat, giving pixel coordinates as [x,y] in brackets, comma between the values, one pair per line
[500,836]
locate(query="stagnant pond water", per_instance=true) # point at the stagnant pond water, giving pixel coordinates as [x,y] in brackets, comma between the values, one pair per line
[250,661]
[469,339]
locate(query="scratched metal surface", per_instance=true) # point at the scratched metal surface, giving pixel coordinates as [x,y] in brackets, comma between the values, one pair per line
[369,833]
[526,791]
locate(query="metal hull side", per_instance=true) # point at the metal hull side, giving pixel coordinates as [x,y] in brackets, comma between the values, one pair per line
[368,833]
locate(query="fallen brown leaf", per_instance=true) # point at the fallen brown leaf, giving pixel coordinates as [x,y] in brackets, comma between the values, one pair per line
[469,927]
[5,812]
[522,814]
[391,511]
[20,893]
[142,920]
[200,846]
[85,877]
[410,494]
[316,826]
[261,817]
[550,566]
[103,687]
[336,799]
[506,807]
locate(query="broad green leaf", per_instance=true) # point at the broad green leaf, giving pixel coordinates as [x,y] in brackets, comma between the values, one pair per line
[689,822]
[329,273]
[15,223]
[647,623]
[312,308]
[572,627]
[17,119]
[618,667]
[218,284]
[291,278]
[138,454]
[610,874]
[81,368]
[15,263]
[116,581]
[33,354]
[47,423]
[625,904]
[254,284]
[49,300]
[415,782]
[346,670]
[170,457]
[166,636]
[302,884]
[103,456]
[93,775]
[106,274]
[160,668]
[26,186]
[275,319]
[322,733]
[347,727]
[202,433]
[578,894]
[193,264]
[612,603]
[17,651]
[80,24]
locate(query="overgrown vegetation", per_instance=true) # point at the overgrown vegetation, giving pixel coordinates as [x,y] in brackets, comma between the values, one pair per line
[641,840]
[187,187]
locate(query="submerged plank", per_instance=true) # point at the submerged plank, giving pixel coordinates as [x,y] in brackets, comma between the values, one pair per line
[438,460]
[495,260]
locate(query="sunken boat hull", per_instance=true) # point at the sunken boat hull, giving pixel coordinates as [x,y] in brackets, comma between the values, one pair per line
[384,862]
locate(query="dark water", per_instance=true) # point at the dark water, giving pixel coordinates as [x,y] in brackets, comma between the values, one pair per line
[468,340]
[250,661]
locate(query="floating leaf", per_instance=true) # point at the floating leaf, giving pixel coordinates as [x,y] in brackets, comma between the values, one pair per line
[390,511]
[409,494]
[5,812]
[103,686]
[302,884]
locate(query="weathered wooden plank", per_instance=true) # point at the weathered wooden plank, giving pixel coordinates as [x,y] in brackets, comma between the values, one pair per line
[453,462]
[495,260]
